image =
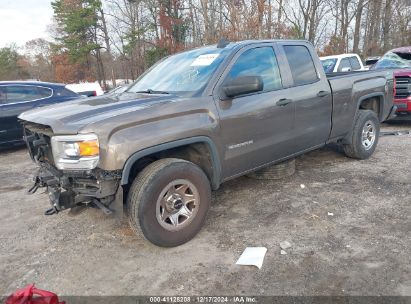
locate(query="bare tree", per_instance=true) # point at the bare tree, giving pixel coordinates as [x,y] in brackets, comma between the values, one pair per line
[133,34]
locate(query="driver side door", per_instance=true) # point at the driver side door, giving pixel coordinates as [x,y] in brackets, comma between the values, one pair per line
[256,128]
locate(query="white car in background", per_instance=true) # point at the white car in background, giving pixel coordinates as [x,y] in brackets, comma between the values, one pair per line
[88,89]
[342,63]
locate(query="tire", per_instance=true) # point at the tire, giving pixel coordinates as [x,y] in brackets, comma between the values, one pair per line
[158,199]
[275,172]
[357,147]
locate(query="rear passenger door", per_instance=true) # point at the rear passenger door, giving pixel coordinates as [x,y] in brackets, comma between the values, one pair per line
[311,94]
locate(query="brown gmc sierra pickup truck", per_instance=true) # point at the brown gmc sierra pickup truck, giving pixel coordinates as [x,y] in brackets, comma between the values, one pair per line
[195,120]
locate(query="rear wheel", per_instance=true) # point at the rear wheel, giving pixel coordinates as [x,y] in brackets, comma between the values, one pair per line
[168,202]
[364,137]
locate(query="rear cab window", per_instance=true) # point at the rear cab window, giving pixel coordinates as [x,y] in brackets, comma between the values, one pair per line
[355,64]
[345,63]
[259,61]
[301,64]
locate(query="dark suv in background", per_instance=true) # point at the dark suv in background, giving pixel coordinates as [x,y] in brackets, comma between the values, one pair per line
[18,97]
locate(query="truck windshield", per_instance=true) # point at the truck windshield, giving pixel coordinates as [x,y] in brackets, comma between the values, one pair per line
[393,60]
[182,74]
[329,64]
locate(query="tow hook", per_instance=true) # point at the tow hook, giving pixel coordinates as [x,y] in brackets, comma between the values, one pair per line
[36,185]
[102,207]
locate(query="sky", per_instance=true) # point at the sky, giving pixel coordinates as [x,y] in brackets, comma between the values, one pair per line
[24,20]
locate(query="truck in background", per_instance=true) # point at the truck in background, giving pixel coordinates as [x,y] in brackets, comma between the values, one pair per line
[342,63]
[399,60]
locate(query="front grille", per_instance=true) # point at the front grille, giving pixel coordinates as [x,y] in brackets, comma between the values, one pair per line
[38,140]
[402,87]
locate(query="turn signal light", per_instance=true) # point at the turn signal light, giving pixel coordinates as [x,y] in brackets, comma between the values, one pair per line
[88,148]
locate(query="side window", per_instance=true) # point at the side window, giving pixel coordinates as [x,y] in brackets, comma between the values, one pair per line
[355,64]
[258,62]
[301,64]
[66,93]
[3,95]
[44,92]
[345,63]
[20,93]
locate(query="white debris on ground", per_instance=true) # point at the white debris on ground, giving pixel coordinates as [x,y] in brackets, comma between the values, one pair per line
[252,256]
[285,245]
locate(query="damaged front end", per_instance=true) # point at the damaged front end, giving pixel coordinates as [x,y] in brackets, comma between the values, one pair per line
[70,188]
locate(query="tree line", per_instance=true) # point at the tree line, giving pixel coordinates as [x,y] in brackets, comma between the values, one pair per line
[107,40]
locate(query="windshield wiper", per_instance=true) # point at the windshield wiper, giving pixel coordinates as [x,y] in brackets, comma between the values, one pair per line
[150,91]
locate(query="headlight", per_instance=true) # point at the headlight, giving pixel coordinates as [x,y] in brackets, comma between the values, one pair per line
[75,152]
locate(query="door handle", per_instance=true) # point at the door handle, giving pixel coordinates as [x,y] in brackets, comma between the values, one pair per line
[283,102]
[322,93]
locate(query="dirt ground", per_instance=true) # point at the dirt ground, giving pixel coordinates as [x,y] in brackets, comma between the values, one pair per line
[363,249]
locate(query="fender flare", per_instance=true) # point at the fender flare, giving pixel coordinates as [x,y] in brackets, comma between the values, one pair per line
[216,165]
[381,103]
[380,96]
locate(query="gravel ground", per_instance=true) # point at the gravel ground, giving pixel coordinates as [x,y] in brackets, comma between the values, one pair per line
[363,249]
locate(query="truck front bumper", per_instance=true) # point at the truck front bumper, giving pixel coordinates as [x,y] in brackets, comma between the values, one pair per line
[70,189]
[403,105]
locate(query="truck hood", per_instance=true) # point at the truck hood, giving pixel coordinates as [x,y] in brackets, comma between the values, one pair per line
[71,116]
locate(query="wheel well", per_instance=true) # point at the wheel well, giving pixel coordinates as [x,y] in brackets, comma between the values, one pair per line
[372,103]
[197,153]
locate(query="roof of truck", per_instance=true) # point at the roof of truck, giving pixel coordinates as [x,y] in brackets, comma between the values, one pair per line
[268,40]
[233,44]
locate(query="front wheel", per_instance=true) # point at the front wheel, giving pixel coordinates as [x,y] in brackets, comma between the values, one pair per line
[364,137]
[168,202]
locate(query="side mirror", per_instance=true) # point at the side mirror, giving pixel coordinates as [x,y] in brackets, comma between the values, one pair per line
[243,85]
[346,69]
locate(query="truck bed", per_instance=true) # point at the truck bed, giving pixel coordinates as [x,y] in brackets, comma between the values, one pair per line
[338,74]
[350,87]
